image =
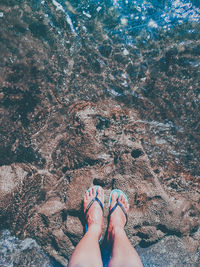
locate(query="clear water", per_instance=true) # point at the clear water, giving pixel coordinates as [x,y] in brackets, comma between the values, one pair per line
[142,53]
[13,252]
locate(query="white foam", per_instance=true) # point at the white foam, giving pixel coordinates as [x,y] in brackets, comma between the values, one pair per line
[28,243]
[59,7]
[1,14]
[87,14]
[152,24]
[124,21]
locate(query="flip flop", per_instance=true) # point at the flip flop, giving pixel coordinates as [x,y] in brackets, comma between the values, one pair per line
[119,192]
[92,201]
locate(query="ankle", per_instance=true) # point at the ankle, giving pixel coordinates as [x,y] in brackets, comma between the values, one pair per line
[95,229]
[114,231]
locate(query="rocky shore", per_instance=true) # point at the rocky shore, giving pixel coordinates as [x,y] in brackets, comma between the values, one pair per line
[80,112]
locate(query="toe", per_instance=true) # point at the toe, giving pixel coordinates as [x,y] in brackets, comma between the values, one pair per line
[90,192]
[123,200]
[87,195]
[99,192]
[113,199]
[93,191]
[114,196]
[120,199]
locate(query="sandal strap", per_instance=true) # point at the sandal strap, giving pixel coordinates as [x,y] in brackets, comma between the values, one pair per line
[91,202]
[122,207]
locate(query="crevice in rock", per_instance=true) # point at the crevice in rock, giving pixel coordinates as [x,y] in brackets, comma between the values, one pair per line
[116,159]
[168,231]
[64,214]
[97,181]
[102,123]
[72,238]
[64,169]
[54,244]
[87,162]
[45,220]
[154,197]
[113,183]
[142,235]
[156,171]
[194,230]
[136,153]
[75,213]
[22,154]
[146,244]
[4,220]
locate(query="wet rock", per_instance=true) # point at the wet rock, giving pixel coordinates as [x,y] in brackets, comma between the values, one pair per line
[15,252]
[11,180]
[105,50]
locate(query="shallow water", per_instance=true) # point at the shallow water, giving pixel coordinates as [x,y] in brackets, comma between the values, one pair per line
[14,252]
[145,54]
[142,53]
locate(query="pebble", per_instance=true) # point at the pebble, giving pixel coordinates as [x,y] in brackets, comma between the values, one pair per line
[1,14]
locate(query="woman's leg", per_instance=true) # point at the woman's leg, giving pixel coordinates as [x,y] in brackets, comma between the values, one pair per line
[87,252]
[123,254]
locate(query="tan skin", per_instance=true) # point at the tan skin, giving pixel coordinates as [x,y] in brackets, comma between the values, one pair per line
[87,252]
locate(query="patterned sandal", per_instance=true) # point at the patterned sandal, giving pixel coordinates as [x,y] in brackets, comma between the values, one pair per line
[101,204]
[119,192]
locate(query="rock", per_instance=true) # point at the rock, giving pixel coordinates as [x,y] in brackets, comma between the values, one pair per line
[65,245]
[170,251]
[74,229]
[50,203]
[11,180]
[51,207]
[105,50]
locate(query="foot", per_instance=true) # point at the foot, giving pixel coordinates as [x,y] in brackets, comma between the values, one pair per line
[94,216]
[117,218]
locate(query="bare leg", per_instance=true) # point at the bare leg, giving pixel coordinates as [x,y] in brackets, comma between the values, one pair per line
[87,252]
[123,254]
